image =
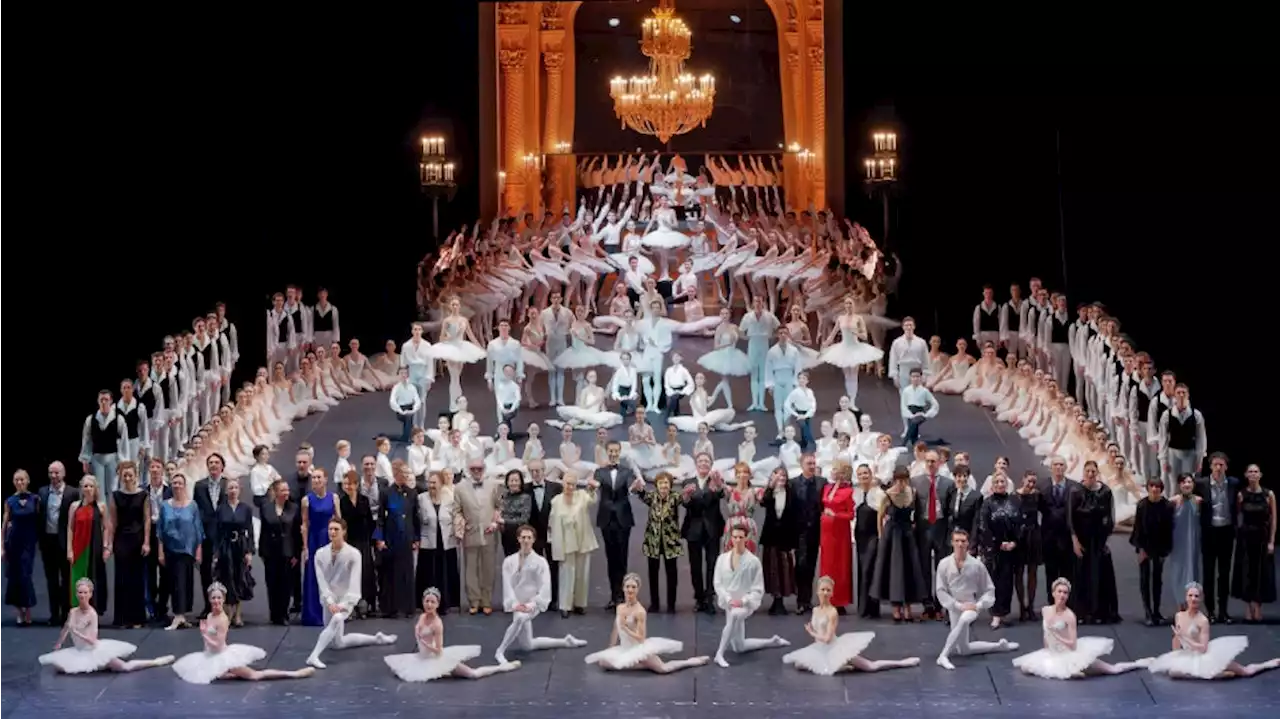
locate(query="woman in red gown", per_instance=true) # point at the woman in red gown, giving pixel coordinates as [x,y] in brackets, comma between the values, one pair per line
[837,539]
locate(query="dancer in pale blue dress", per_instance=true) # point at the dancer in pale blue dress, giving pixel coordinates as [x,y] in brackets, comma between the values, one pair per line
[1182,568]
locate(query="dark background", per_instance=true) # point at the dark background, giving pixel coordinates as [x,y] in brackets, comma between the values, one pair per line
[168,163]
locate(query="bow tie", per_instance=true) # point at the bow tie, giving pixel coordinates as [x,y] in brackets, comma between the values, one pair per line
[613,467]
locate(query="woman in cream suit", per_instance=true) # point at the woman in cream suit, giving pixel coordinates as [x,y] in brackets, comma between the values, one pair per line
[438,544]
[573,539]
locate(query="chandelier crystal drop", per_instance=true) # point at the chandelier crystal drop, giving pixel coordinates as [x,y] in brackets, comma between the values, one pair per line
[668,101]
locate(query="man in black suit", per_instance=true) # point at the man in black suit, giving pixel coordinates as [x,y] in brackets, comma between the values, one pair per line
[933,526]
[614,519]
[209,494]
[302,481]
[157,583]
[1219,496]
[280,547]
[374,489]
[543,492]
[807,491]
[702,529]
[1055,531]
[965,503]
[55,500]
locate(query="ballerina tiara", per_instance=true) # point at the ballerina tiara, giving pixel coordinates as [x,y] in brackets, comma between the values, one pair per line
[631,577]
[431,592]
[217,587]
[84,582]
[1061,581]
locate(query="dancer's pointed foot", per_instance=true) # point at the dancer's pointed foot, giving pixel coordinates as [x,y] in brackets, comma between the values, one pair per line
[945,663]
[574,641]
[314,661]
[720,661]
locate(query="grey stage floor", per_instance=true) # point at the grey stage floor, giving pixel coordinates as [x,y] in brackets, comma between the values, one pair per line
[559,684]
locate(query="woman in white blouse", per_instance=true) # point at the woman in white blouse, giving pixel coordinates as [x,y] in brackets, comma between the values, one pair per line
[438,544]
[573,539]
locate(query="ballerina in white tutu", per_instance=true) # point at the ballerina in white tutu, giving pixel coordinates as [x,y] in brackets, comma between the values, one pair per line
[1196,656]
[457,346]
[1066,655]
[220,660]
[630,647]
[726,359]
[852,351]
[580,354]
[720,420]
[588,410]
[89,653]
[665,238]
[570,459]
[829,653]
[434,660]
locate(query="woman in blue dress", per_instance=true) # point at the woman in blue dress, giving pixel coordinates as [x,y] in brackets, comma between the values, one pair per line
[21,524]
[318,507]
[1183,565]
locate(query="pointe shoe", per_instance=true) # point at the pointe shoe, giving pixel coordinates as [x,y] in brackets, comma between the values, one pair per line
[386,638]
[945,663]
[165,660]
[304,673]
[911,662]
[500,659]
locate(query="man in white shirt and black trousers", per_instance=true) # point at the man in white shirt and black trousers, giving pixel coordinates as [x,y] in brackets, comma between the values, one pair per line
[506,394]
[624,386]
[802,405]
[918,405]
[503,350]
[676,383]
[614,518]
[405,402]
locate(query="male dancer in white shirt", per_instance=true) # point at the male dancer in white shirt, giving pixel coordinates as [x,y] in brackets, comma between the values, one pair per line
[338,567]
[226,360]
[104,441]
[137,422]
[405,403]
[503,350]
[907,352]
[281,339]
[1011,322]
[782,368]
[506,395]
[556,321]
[526,593]
[677,383]
[759,326]
[1183,442]
[918,405]
[1078,338]
[986,318]
[324,321]
[964,588]
[415,356]
[1144,392]
[624,386]
[1057,341]
[802,404]
[739,587]
[655,337]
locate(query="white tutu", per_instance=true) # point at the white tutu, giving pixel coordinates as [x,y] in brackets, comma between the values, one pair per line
[827,659]
[422,667]
[808,357]
[624,657]
[84,660]
[736,259]
[623,261]
[1201,665]
[204,667]
[458,351]
[647,456]
[728,361]
[665,239]
[697,326]
[581,357]
[1065,664]
[703,263]
[850,353]
[604,419]
[535,359]
[684,470]
[690,422]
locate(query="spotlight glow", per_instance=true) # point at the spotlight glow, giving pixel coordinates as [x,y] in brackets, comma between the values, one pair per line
[735,19]
[614,22]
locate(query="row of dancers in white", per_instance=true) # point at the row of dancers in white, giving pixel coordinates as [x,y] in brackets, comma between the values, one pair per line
[963,586]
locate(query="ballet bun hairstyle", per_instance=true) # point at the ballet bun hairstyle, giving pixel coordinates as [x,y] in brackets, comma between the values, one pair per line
[1060,581]
[824,579]
[632,577]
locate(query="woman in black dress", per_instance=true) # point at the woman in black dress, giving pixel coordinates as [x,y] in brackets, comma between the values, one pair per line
[1030,557]
[899,578]
[131,543]
[1092,518]
[281,548]
[999,533]
[778,540]
[1253,580]
[355,510]
[234,561]
[21,527]
[517,508]
[868,498]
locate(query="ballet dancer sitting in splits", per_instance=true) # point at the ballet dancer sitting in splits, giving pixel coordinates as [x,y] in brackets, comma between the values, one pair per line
[739,587]
[629,645]
[1195,655]
[526,593]
[220,660]
[89,653]
[338,572]
[829,653]
[434,660]
[1066,655]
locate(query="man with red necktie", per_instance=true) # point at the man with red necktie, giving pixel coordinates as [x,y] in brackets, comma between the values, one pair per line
[932,522]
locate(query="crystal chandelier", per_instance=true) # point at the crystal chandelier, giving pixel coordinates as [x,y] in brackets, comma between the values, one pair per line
[668,101]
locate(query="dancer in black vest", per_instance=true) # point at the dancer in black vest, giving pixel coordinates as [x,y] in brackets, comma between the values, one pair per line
[1183,443]
[1011,322]
[104,441]
[986,318]
[1059,343]
[137,424]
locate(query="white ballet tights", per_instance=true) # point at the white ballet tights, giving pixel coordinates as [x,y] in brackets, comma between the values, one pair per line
[851,385]
[455,381]
[465,672]
[876,665]
[958,641]
[735,637]
[722,388]
[579,379]
[335,635]
[520,634]
[133,665]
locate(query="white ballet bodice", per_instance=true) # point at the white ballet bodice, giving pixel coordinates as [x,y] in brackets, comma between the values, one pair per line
[826,450]
[503,450]
[582,335]
[80,623]
[848,336]
[532,449]
[625,641]
[569,453]
[462,420]
[1054,628]
[747,452]
[424,637]
[591,398]
[626,341]
[698,402]
[726,336]
[453,329]
[819,620]
[666,219]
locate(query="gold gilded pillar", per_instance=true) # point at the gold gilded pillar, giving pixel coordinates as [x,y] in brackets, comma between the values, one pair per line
[512,61]
[818,106]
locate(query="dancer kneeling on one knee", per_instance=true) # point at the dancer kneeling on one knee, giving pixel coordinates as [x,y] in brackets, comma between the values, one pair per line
[434,660]
[89,653]
[629,645]
[526,593]
[830,653]
[220,660]
[739,586]
[1195,655]
[964,588]
[338,573]
[1065,655]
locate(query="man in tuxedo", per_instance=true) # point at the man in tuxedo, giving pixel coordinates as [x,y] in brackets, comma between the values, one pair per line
[543,492]
[702,528]
[54,501]
[1219,496]
[964,501]
[807,492]
[613,517]
[1055,531]
[933,523]
[209,494]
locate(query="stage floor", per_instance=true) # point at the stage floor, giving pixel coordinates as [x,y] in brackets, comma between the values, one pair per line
[558,683]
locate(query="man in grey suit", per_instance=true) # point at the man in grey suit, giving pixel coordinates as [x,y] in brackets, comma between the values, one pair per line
[613,517]
[933,522]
